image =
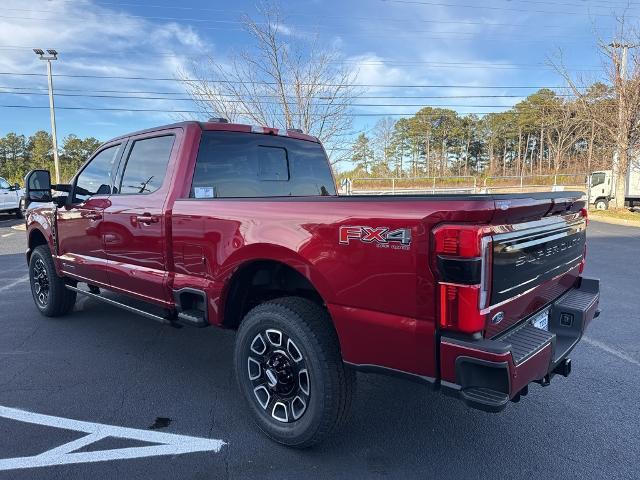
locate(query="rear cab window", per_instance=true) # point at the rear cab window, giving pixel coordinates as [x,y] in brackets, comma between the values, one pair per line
[238,164]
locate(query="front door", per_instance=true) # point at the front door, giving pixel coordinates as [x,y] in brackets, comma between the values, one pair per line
[134,226]
[80,243]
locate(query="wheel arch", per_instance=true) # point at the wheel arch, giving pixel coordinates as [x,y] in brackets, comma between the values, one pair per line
[36,237]
[262,272]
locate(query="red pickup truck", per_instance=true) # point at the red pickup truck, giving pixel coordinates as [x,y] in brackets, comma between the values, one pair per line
[241,227]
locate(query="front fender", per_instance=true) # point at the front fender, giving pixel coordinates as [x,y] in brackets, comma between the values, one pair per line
[40,230]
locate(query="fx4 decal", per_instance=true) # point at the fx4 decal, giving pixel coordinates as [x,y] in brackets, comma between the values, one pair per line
[381,236]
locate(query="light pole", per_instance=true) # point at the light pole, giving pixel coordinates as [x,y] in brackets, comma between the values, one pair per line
[53,55]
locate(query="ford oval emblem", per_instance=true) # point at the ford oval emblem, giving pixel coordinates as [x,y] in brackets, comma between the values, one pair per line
[497,318]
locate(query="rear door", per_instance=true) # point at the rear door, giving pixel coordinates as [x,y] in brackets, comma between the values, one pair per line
[80,244]
[134,226]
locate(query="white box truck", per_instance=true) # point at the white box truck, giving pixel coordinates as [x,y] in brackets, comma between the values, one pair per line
[602,187]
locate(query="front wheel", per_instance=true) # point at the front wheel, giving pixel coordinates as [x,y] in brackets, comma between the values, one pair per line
[290,372]
[601,204]
[49,291]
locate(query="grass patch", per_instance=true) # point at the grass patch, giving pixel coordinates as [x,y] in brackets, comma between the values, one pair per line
[621,214]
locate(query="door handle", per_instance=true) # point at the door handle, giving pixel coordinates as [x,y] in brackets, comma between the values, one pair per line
[147,219]
[94,216]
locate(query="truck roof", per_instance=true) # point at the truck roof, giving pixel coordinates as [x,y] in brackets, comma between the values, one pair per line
[227,127]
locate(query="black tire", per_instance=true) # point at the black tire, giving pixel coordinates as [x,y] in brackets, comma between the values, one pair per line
[49,292]
[601,204]
[329,383]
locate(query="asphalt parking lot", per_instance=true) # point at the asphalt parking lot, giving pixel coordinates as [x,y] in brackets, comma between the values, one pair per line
[101,365]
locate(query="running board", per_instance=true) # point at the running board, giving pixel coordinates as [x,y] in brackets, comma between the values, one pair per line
[115,303]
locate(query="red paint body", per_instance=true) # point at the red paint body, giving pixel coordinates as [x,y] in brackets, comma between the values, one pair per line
[383,301]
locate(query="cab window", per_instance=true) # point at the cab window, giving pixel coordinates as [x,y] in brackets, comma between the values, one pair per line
[235,164]
[96,178]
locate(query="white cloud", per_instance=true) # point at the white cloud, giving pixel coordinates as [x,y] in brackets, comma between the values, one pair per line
[94,40]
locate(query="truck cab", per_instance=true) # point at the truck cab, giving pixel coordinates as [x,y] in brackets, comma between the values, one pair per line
[601,189]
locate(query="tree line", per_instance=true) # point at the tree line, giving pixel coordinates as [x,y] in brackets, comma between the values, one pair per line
[19,154]
[546,133]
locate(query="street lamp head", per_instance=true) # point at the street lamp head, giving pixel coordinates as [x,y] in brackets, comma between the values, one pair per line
[38,51]
[51,51]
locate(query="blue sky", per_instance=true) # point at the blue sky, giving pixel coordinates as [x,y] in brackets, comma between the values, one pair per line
[458,45]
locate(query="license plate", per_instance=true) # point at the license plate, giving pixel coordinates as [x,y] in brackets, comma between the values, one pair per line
[541,320]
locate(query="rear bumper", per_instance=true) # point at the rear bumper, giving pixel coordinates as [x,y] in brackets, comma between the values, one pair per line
[486,374]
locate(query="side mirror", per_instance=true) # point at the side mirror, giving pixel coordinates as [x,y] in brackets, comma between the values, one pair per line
[16,186]
[38,186]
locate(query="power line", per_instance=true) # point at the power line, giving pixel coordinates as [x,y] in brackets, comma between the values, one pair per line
[338,104]
[429,63]
[204,97]
[504,9]
[432,35]
[364,85]
[605,4]
[620,3]
[320,16]
[199,112]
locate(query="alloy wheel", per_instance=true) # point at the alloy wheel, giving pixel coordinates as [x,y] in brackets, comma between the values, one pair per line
[40,281]
[279,376]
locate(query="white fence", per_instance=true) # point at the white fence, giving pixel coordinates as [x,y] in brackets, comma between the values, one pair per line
[463,184]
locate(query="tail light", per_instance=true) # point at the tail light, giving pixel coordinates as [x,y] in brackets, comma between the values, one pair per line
[584,213]
[462,258]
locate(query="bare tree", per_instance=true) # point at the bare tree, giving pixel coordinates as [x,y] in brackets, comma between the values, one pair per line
[286,80]
[617,109]
[382,139]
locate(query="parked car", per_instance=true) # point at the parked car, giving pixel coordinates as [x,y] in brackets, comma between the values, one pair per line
[11,198]
[240,227]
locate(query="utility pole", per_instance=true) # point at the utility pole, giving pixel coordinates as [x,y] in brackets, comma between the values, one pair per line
[618,175]
[53,55]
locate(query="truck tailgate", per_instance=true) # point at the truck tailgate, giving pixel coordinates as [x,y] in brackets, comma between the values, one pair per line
[531,264]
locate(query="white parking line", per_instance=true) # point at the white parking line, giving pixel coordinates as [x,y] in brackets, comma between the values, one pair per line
[13,284]
[8,234]
[170,443]
[613,351]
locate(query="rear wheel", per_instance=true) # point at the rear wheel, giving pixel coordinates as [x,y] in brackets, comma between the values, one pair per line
[290,372]
[49,291]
